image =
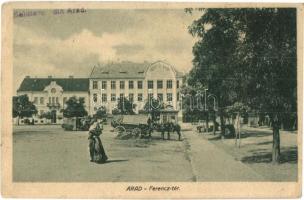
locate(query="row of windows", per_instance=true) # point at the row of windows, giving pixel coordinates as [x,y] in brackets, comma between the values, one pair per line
[52,100]
[160,96]
[131,84]
[41,100]
[121,84]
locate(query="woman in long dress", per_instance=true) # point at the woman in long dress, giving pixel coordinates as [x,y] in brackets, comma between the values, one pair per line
[97,152]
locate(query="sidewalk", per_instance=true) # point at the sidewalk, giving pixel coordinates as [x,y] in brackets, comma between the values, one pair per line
[210,163]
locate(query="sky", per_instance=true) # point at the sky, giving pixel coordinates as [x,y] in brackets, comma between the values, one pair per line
[71,44]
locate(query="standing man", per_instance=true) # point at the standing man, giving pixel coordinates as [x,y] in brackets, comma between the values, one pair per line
[177,128]
[150,125]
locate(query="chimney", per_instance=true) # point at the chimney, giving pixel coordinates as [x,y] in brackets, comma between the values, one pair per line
[49,76]
[71,76]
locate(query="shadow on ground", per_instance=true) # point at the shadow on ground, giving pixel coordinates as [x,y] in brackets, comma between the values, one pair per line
[111,161]
[255,134]
[288,155]
[243,135]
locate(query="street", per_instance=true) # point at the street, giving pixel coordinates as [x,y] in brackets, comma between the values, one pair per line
[50,154]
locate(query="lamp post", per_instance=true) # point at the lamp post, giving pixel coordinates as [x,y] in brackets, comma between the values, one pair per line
[150,91]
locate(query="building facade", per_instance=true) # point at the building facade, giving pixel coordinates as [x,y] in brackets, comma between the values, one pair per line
[50,94]
[138,82]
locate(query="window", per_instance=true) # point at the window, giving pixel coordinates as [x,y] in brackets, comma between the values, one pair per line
[160,97]
[139,84]
[122,84]
[104,85]
[131,84]
[104,97]
[131,97]
[53,90]
[177,84]
[53,100]
[159,84]
[121,96]
[35,100]
[95,97]
[113,85]
[50,100]
[41,100]
[177,96]
[57,100]
[95,86]
[150,96]
[139,97]
[169,84]
[150,84]
[169,97]
[113,97]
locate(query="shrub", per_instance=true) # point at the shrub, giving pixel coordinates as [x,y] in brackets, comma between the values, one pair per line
[67,127]
[115,111]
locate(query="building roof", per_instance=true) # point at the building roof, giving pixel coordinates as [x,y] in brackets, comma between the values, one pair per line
[120,70]
[123,70]
[67,84]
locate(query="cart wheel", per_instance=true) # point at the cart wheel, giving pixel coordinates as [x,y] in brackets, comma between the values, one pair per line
[136,132]
[120,129]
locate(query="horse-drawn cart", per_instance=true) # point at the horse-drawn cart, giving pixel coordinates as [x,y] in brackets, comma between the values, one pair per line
[135,125]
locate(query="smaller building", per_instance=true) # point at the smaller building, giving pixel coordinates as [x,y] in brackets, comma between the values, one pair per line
[50,94]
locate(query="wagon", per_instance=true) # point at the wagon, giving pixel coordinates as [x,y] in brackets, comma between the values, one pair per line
[131,124]
[76,123]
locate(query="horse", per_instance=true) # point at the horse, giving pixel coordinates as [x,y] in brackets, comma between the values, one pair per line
[170,127]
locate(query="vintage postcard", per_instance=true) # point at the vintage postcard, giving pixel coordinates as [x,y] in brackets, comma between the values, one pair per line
[151,100]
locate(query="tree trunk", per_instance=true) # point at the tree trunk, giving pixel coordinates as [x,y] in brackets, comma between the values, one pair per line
[276,142]
[222,124]
[207,121]
[214,122]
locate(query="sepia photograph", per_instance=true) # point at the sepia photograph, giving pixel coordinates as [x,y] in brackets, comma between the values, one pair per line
[164,94]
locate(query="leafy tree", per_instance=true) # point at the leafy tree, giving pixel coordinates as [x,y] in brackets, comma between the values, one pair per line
[248,56]
[101,112]
[192,107]
[74,108]
[125,106]
[22,107]
[153,107]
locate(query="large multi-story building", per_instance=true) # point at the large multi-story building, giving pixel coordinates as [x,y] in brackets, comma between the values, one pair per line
[138,82]
[50,94]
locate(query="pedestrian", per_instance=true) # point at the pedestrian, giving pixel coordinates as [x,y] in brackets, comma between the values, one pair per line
[177,128]
[168,129]
[150,125]
[97,152]
[162,129]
